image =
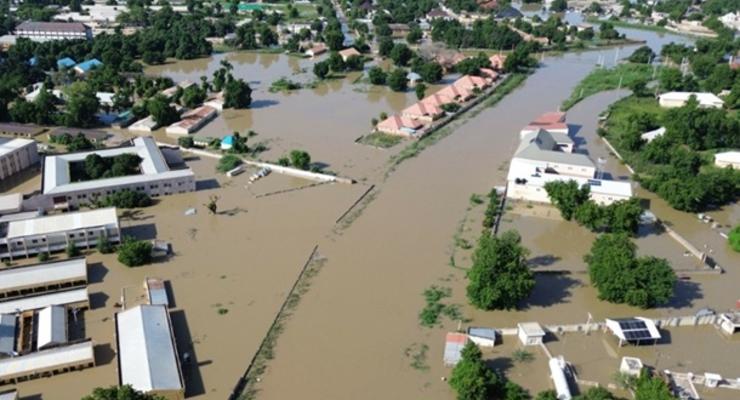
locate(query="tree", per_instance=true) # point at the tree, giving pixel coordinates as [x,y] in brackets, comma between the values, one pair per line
[336,63]
[161,110]
[126,198]
[620,277]
[499,277]
[607,31]
[104,246]
[397,80]
[72,250]
[734,238]
[643,55]
[377,76]
[385,46]
[186,142]
[595,8]
[420,90]
[82,105]
[471,379]
[670,79]
[79,142]
[133,253]
[212,204]
[321,69]
[567,196]
[559,5]
[334,39]
[547,395]
[596,393]
[355,63]
[192,96]
[414,36]
[401,54]
[431,72]
[648,387]
[125,392]
[300,159]
[228,162]
[237,94]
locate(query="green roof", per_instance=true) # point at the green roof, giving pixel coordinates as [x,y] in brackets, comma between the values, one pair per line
[250,7]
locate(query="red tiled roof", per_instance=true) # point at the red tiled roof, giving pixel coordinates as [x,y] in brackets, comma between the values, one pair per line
[470,81]
[396,122]
[437,99]
[549,118]
[349,52]
[423,109]
[453,337]
[454,92]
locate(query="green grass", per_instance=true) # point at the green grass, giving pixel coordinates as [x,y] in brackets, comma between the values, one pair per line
[284,85]
[603,79]
[380,139]
[522,356]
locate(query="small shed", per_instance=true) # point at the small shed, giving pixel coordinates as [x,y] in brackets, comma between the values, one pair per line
[636,330]
[227,142]
[156,292]
[52,325]
[712,380]
[413,78]
[730,323]
[482,337]
[65,62]
[530,333]
[454,343]
[631,366]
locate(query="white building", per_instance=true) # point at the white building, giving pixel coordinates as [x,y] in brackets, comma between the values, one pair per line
[728,159]
[530,333]
[8,324]
[730,323]
[28,237]
[45,31]
[52,327]
[731,20]
[679,99]
[47,362]
[147,354]
[482,337]
[636,330]
[145,125]
[16,155]
[558,366]
[41,278]
[652,135]
[544,157]
[631,366]
[98,14]
[77,298]
[155,178]
[11,203]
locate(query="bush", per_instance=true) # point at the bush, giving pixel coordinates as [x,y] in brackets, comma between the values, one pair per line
[471,379]
[133,253]
[186,142]
[72,250]
[377,76]
[451,107]
[300,159]
[734,238]
[643,55]
[126,198]
[104,246]
[228,162]
[43,256]
[397,80]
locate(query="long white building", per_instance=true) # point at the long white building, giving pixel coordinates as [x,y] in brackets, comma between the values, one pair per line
[41,278]
[155,177]
[147,354]
[16,155]
[45,31]
[545,156]
[28,237]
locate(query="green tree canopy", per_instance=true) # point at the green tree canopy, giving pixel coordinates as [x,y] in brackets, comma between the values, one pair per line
[125,392]
[734,238]
[567,196]
[499,277]
[397,80]
[133,253]
[471,379]
[237,94]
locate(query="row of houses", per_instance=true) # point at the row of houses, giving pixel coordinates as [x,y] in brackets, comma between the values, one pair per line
[547,153]
[414,121]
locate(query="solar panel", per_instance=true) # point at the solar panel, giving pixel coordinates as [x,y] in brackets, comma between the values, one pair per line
[635,329]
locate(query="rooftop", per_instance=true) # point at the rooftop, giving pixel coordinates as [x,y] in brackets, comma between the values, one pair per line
[63,222]
[52,26]
[728,156]
[531,328]
[75,296]
[8,145]
[89,64]
[701,97]
[40,274]
[20,129]
[52,326]
[76,354]
[7,333]
[10,203]
[634,329]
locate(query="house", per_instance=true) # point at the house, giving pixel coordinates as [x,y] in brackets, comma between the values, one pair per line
[49,362]
[553,122]
[16,155]
[460,95]
[471,83]
[192,121]
[482,337]
[727,159]
[730,323]
[46,31]
[422,112]
[20,130]
[145,125]
[66,62]
[679,99]
[489,74]
[438,13]
[454,344]
[530,333]
[636,330]
[437,100]
[413,78]
[155,176]
[85,67]
[652,135]
[316,50]
[147,354]
[74,298]
[349,52]
[399,125]
[497,61]
[28,237]
[37,87]
[448,59]
[399,31]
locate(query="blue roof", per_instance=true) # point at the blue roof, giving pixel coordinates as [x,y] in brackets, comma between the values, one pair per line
[65,62]
[228,140]
[32,61]
[413,76]
[89,64]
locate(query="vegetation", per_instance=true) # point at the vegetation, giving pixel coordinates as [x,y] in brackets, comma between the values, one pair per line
[228,162]
[126,198]
[186,142]
[492,209]
[734,238]
[380,139]
[77,142]
[237,94]
[133,253]
[397,80]
[500,277]
[284,85]
[97,167]
[621,277]
[603,79]
[300,159]
[125,392]
[520,355]
[643,55]
[471,379]
[72,250]
[104,246]
[377,76]
[43,256]
[434,308]
[649,387]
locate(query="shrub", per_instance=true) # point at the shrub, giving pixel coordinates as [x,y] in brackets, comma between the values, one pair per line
[734,238]
[126,198]
[104,246]
[43,256]
[186,142]
[228,162]
[133,253]
[471,379]
[300,159]
[72,250]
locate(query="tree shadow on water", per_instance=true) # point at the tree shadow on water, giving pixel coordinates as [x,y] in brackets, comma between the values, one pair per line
[550,289]
[500,364]
[684,294]
[543,261]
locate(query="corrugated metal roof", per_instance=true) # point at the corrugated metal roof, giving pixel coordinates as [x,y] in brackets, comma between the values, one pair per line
[52,26]
[76,354]
[39,302]
[40,275]
[454,343]
[157,292]
[52,326]
[146,350]
[486,333]
[63,222]
[7,333]
[9,395]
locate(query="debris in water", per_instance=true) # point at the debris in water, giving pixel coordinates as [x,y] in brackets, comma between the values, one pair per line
[191,211]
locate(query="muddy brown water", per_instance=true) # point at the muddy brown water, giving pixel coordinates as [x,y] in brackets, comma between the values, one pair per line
[348,336]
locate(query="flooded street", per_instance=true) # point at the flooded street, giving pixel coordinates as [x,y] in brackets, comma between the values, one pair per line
[349,336]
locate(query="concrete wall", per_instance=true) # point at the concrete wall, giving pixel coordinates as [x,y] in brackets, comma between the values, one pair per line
[18,159]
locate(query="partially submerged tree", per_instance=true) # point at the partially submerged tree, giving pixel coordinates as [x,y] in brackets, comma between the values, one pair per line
[471,379]
[133,253]
[212,204]
[125,392]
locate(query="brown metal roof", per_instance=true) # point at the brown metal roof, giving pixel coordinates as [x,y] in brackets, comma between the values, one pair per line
[52,26]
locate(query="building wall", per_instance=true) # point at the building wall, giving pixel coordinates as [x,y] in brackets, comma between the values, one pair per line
[54,35]
[164,187]
[724,164]
[538,194]
[18,159]
[82,238]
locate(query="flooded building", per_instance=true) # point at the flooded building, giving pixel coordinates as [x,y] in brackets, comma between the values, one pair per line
[75,298]
[11,203]
[8,324]
[45,31]
[42,278]
[398,125]
[422,112]
[28,237]
[192,120]
[52,327]
[156,292]
[730,323]
[94,135]
[144,125]
[558,368]
[46,363]
[16,155]
[634,330]
[530,333]
[20,130]
[155,177]
[727,159]
[679,99]
[482,337]
[147,355]
[454,344]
